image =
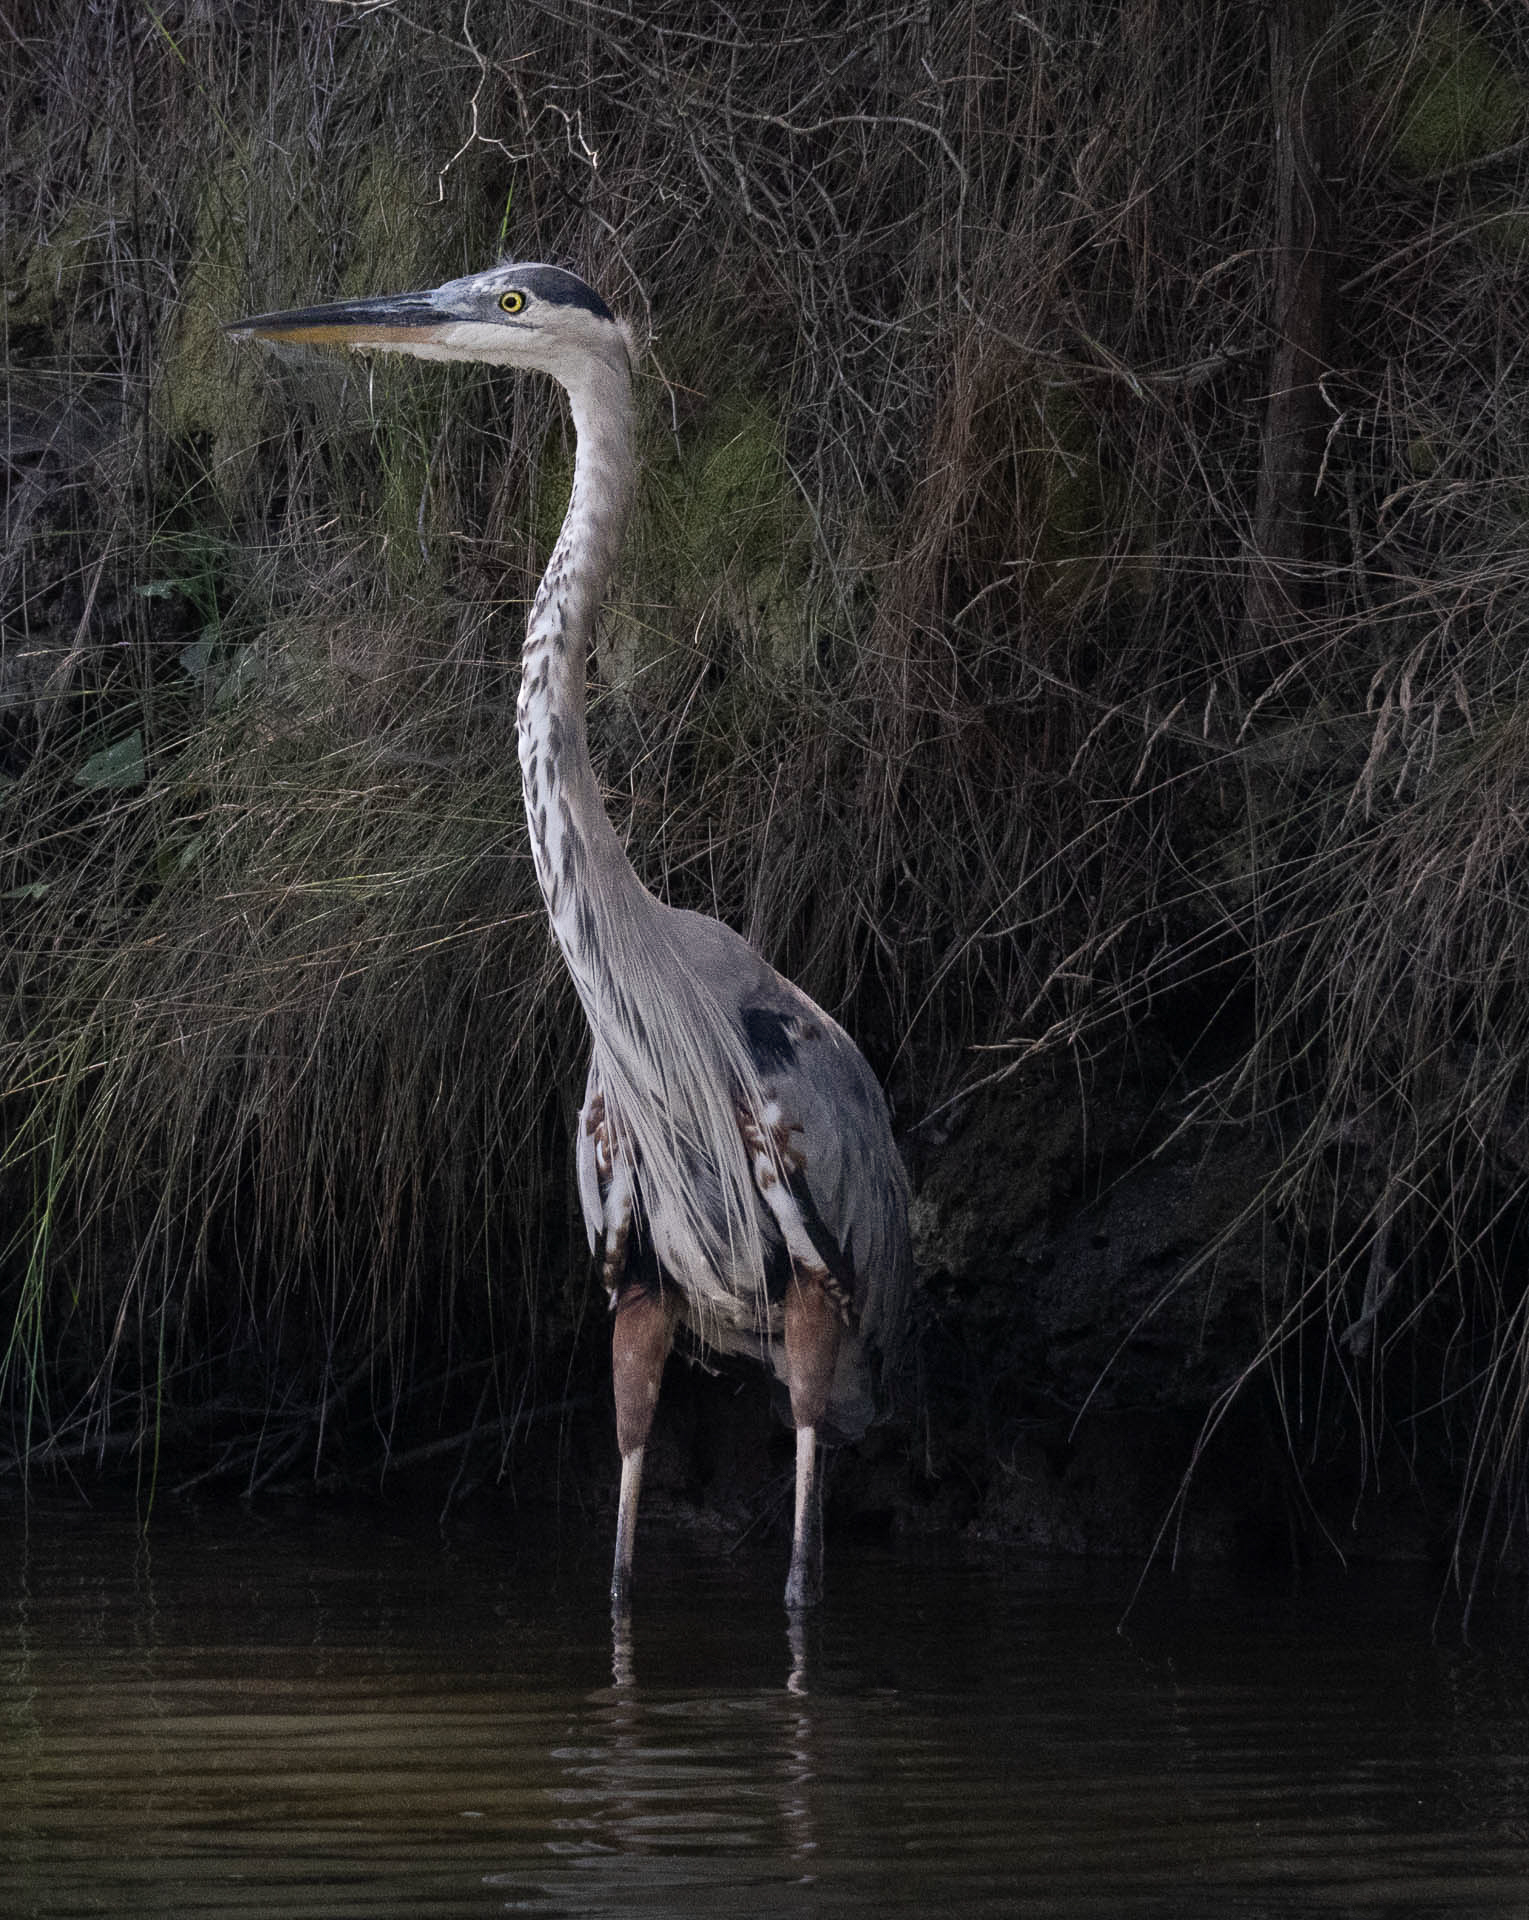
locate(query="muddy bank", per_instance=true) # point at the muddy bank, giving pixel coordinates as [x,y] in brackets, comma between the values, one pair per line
[1089,1372]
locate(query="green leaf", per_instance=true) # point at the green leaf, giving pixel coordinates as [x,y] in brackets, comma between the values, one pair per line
[119,765]
[176,853]
[196,657]
[247,671]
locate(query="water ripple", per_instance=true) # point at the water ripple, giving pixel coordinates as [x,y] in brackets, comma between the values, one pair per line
[323,1719]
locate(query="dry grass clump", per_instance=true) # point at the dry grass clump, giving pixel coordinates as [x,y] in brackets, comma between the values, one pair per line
[937,667]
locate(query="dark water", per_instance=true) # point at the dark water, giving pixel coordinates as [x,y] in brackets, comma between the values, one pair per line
[272,1714]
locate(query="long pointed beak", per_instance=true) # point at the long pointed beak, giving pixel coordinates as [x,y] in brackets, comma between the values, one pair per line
[400,319]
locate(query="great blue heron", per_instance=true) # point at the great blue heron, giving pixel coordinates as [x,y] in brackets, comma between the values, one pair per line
[736,1166]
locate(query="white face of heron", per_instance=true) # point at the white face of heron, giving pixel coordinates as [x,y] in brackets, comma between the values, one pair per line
[521,315]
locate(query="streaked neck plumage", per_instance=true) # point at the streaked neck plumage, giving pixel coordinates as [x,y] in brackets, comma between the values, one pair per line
[572,840]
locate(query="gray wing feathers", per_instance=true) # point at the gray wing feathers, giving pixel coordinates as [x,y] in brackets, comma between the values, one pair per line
[851,1166]
[838,1117]
[831,1111]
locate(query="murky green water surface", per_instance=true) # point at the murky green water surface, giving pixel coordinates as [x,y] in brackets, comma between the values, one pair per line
[280,1713]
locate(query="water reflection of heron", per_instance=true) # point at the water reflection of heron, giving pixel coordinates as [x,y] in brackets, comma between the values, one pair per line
[735,1161]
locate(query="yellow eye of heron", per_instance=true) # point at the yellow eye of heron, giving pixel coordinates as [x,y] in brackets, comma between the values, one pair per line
[513,301]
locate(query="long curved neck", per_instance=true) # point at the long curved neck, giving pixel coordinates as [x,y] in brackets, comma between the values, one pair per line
[671,1066]
[581,866]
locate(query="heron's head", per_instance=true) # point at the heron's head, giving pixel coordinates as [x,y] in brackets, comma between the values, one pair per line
[533,316]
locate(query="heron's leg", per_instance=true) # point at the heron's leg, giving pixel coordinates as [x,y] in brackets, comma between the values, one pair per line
[641,1334]
[813,1327]
[817,1309]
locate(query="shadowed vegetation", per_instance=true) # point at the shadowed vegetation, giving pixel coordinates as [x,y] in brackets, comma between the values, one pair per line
[935,667]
